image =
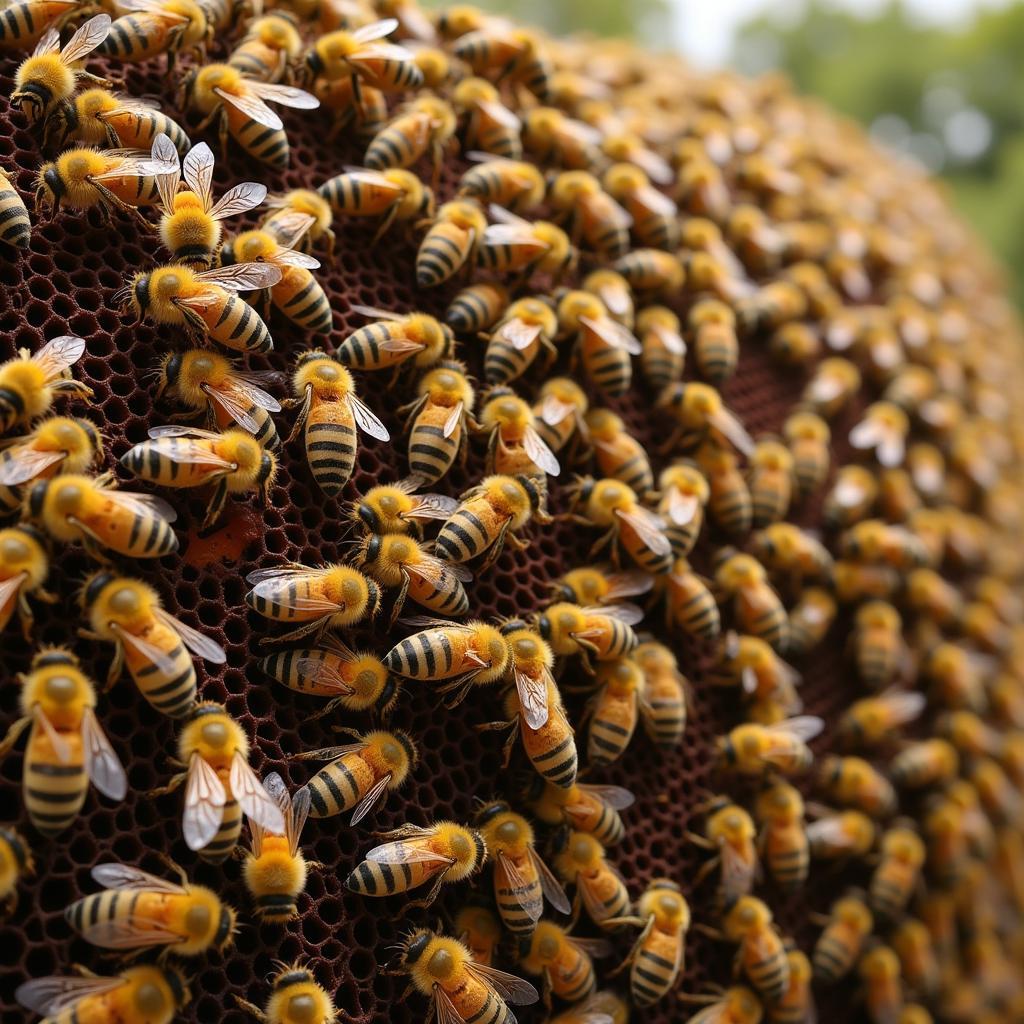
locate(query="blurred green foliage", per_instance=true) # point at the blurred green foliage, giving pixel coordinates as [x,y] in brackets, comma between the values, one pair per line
[952,97]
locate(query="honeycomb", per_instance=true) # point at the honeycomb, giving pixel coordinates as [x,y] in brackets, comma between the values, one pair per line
[64,284]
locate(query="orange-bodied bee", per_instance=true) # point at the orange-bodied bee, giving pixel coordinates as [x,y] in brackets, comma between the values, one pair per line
[439,420]
[84,179]
[600,633]
[666,695]
[882,986]
[618,454]
[31,381]
[580,860]
[735,1005]
[761,954]
[925,763]
[652,271]
[514,445]
[689,603]
[854,782]
[355,106]
[871,720]
[67,748]
[841,835]
[328,597]
[330,412]
[956,676]
[395,195]
[810,620]
[565,962]
[24,566]
[450,242]
[654,215]
[729,831]
[832,386]
[797,1003]
[490,126]
[808,437]
[359,774]
[476,308]
[715,345]
[757,606]
[699,412]
[586,808]
[511,184]
[840,944]
[359,54]
[613,711]
[48,79]
[750,663]
[396,508]
[851,497]
[239,105]
[604,345]
[663,350]
[205,303]
[592,213]
[729,501]
[270,45]
[152,27]
[426,123]
[27,20]
[597,585]
[89,511]
[874,542]
[525,328]
[784,842]
[560,409]
[516,245]
[522,881]
[770,481]
[98,117]
[753,749]
[394,339]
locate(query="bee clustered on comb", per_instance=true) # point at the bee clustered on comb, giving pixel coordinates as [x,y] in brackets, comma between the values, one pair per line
[807,272]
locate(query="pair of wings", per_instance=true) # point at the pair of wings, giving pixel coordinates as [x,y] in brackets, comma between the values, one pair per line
[498,113]
[785,737]
[239,277]
[671,340]
[249,100]
[415,847]
[538,452]
[511,230]
[507,987]
[681,507]
[366,419]
[375,51]
[49,996]
[611,333]
[615,797]
[80,45]
[373,795]
[205,797]
[236,393]
[554,411]
[435,571]
[276,586]
[426,506]
[145,506]
[191,446]
[58,355]
[833,832]
[197,170]
[648,527]
[519,883]
[22,462]
[628,614]
[532,692]
[729,426]
[324,673]
[102,765]
[195,641]
[294,810]
[888,441]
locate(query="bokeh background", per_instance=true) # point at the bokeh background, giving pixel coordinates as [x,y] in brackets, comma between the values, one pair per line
[939,80]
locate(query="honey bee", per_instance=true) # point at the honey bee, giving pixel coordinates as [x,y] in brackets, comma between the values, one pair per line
[797,1003]
[603,344]
[613,710]
[152,27]
[530,671]
[328,597]
[715,345]
[699,412]
[600,585]
[652,271]
[601,633]
[878,643]
[757,606]
[296,995]
[831,388]
[808,437]
[98,117]
[395,195]
[89,511]
[871,720]
[204,303]
[152,643]
[600,1008]
[840,944]
[514,445]
[810,620]
[27,20]
[592,213]
[450,242]
[15,862]
[525,328]
[84,179]
[58,444]
[663,350]
[785,548]
[394,339]
[583,807]
[784,841]
[883,430]
[426,123]
[729,831]
[511,184]
[689,604]
[729,500]
[359,774]
[275,869]
[301,217]
[486,517]
[270,45]
[48,79]
[141,911]
[479,930]
[753,749]
[238,104]
[559,412]
[878,543]
[564,962]
[180,457]
[665,696]
[477,308]
[770,481]
[925,763]
[460,988]
[490,126]
[855,783]
[440,854]
[556,139]
[144,993]
[580,860]
[359,54]
[654,216]
[618,454]
[761,955]
[395,508]
[527,247]
[912,943]
[735,1005]
[879,970]
[955,676]
[841,835]
[67,748]
[205,381]
[15,224]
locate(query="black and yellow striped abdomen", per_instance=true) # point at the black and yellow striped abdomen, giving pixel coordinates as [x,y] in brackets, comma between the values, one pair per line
[268,145]
[666,716]
[400,144]
[572,976]
[54,790]
[442,253]
[138,37]
[767,967]
[172,693]
[466,533]
[609,368]
[835,953]
[693,607]
[655,967]
[301,298]
[450,600]
[682,538]
[519,905]
[431,454]
[552,749]
[372,879]
[155,461]
[611,727]
[330,435]
[233,323]
[339,786]
[787,855]
[15,225]
[362,350]
[504,362]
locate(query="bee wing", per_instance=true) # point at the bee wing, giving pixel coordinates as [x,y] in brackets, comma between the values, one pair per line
[682,507]
[197,169]
[252,106]
[508,986]
[824,387]
[124,876]
[737,871]
[592,947]
[102,765]
[427,622]
[454,419]
[375,30]
[242,197]
[256,803]
[59,355]
[235,405]
[24,463]
[286,95]
[512,234]
[384,51]
[500,114]
[48,996]
[517,882]
[732,430]
[408,851]
[648,528]
[130,165]
[150,6]
[830,831]
[630,614]
[204,804]
[61,750]
[803,727]
[518,333]
[373,796]
[242,277]
[904,705]
[553,410]
[434,571]
[533,697]
[592,901]
[442,1010]
[49,42]
[539,453]
[195,641]
[293,225]
[192,453]
[86,39]
[550,885]
[322,674]
[628,584]
[113,934]
[278,590]
[672,340]
[849,492]
[278,572]
[10,587]
[376,313]
[366,420]
[614,796]
[613,334]
[503,216]
[297,819]
[284,256]
[434,506]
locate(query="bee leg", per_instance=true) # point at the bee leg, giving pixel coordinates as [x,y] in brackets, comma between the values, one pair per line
[318,625]
[386,223]
[707,867]
[602,542]
[220,495]
[171,786]
[496,548]
[399,601]
[332,239]
[426,901]
[244,1004]
[174,867]
[16,729]
[96,80]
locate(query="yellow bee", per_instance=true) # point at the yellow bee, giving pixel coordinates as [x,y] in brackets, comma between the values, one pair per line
[652,271]
[871,720]
[15,862]
[355,106]
[883,430]
[98,117]
[514,244]
[450,242]
[511,184]
[145,993]
[559,410]
[328,597]
[618,454]
[729,501]
[301,217]
[395,508]
[613,710]
[190,219]
[479,930]
[770,481]
[785,548]
[603,344]
[295,996]
[810,620]
[879,970]
[514,446]
[663,350]
[583,807]
[516,55]
[808,437]
[329,414]
[600,633]
[83,178]
[486,517]
[89,511]
[439,854]
[716,348]
[490,126]
[592,213]
[757,606]
[477,308]
[460,988]
[855,783]
[394,194]
[784,842]
[832,386]
[564,962]
[666,695]
[878,643]
[15,224]
[220,786]
[912,943]
[525,328]
[274,868]
[973,737]
[797,1003]
[361,55]
[554,138]
[239,105]
[850,498]
[204,303]
[735,1005]
[753,749]
[425,123]
[394,339]
[699,413]
[153,27]
[521,879]
[140,911]
[600,585]
[925,763]
[67,749]
[205,381]
[761,955]
[841,942]
[729,831]
[27,20]
[152,643]
[600,1008]
[57,444]
[875,542]
[956,676]
[580,860]
[654,215]
[48,79]
[270,45]
[359,774]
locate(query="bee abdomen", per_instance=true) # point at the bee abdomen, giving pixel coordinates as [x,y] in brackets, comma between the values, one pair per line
[431,454]
[15,226]
[790,867]
[420,656]
[372,879]
[607,741]
[651,977]
[269,145]
[578,983]
[276,907]
[391,148]
[558,764]
[172,696]
[699,616]
[332,790]
[127,38]
[668,722]
[462,537]
[832,960]
[513,904]
[331,450]
[503,363]
[361,349]
[219,848]
[770,976]
[439,257]
[610,370]
[308,307]
[54,794]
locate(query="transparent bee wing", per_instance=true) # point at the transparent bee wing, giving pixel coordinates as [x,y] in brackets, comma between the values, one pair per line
[49,42]
[292,225]
[513,234]
[613,334]
[630,614]
[803,727]
[10,587]
[500,114]
[283,572]
[126,877]
[181,430]
[153,654]
[904,705]
[671,340]
[552,888]
[138,933]
[508,986]
[322,674]
[376,30]
[738,871]
[442,1009]
[373,178]
[614,796]
[280,590]
[195,641]
[288,257]
[149,7]
[732,430]
[86,39]
[506,217]
[235,405]
[286,95]
[408,851]
[434,506]
[849,492]
[553,410]
[628,584]
[253,107]
[390,52]
[437,572]
[244,196]
[204,804]
[373,796]
[518,884]
[197,169]
[648,527]
[256,803]
[533,698]
[366,420]
[48,996]
[301,803]
[454,420]
[101,763]
[376,313]
[188,452]
[539,453]
[59,355]
[682,507]
[831,831]
[60,747]
[519,334]
[23,463]
[242,277]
